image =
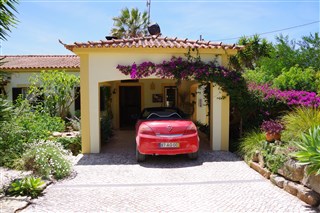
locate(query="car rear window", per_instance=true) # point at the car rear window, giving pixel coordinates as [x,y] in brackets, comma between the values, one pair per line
[165,113]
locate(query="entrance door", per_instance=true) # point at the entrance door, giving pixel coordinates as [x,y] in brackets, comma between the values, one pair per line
[130,105]
[170,94]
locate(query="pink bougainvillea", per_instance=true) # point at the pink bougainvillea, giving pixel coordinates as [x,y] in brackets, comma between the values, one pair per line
[179,68]
[242,95]
[290,97]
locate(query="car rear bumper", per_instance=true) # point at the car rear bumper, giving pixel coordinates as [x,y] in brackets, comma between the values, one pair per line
[150,145]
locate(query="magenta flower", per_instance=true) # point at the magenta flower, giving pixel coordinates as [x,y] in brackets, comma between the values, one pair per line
[290,97]
[272,127]
[133,73]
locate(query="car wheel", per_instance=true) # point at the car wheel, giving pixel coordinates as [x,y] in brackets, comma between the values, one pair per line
[140,157]
[194,155]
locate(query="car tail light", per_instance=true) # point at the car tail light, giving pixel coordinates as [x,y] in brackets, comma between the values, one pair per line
[192,129]
[146,130]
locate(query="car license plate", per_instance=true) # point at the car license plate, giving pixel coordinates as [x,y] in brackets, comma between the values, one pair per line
[169,145]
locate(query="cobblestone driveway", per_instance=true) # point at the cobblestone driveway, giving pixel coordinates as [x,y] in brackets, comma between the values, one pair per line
[113,181]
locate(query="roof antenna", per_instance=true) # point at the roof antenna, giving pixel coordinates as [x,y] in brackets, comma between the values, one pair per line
[153,28]
[148,6]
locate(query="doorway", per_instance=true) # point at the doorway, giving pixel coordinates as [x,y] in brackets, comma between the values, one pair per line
[130,105]
[170,94]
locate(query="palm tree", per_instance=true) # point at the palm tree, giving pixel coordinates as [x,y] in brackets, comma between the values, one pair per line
[130,24]
[7,17]
[7,20]
[255,49]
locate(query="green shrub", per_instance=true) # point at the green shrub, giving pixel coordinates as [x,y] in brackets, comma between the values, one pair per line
[273,158]
[47,159]
[29,186]
[12,140]
[106,126]
[251,142]
[29,127]
[297,78]
[39,125]
[309,153]
[72,144]
[57,89]
[259,75]
[25,124]
[74,123]
[299,121]
[5,109]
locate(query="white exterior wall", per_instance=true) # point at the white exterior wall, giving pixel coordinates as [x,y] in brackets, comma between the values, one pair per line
[202,107]
[219,118]
[21,79]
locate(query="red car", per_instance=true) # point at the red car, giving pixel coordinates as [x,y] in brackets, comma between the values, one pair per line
[165,131]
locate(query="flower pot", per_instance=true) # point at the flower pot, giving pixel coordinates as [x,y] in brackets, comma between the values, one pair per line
[277,136]
[270,137]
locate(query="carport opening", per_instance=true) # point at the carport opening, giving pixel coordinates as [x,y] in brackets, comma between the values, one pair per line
[122,101]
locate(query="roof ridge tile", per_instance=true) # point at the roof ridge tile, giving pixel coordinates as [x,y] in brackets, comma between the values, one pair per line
[153,41]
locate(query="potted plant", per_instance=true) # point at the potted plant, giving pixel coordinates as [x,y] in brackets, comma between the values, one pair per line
[272,129]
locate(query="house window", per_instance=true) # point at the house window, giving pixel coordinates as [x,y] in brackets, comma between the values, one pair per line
[77,101]
[17,91]
[24,93]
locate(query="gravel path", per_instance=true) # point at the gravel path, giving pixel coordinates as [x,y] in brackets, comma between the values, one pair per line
[113,181]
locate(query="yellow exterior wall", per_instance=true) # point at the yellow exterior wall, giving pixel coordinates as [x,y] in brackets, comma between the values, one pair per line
[85,108]
[225,120]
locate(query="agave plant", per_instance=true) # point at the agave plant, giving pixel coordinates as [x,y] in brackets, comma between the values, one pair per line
[29,186]
[309,153]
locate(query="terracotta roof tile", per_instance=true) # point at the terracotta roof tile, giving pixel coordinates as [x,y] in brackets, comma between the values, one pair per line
[40,62]
[151,42]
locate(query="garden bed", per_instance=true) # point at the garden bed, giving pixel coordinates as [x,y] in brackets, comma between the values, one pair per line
[293,178]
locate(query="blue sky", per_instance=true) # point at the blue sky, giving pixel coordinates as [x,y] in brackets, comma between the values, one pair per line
[42,23]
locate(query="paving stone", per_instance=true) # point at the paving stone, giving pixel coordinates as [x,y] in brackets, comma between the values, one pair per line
[114,182]
[12,204]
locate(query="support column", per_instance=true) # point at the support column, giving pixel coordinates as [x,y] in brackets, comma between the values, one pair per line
[94,103]
[84,93]
[219,119]
[90,118]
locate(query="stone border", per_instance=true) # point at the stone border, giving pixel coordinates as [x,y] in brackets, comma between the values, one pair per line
[305,194]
